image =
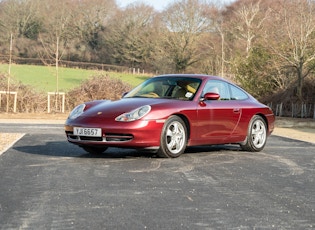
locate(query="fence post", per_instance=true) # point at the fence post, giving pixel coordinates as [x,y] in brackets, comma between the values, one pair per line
[292,107]
[279,109]
[48,103]
[15,102]
[56,95]
[63,103]
[8,95]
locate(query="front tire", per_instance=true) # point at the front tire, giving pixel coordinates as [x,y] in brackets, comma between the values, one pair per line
[173,138]
[256,135]
[94,150]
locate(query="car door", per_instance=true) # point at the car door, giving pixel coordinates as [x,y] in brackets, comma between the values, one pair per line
[218,118]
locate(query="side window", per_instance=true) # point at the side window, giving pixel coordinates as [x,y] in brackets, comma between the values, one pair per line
[237,94]
[216,86]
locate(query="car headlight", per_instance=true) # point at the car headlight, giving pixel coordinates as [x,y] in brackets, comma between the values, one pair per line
[134,114]
[77,111]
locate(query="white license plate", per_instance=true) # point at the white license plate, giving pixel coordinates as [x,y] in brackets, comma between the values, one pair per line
[87,132]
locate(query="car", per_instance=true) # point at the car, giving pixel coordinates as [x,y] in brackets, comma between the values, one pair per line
[171,112]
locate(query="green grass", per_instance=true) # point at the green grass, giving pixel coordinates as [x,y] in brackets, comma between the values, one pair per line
[43,78]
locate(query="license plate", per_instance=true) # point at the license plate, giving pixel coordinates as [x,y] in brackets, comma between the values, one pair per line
[87,132]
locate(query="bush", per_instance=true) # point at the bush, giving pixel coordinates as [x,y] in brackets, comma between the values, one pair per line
[97,88]
[28,100]
[291,105]
[31,101]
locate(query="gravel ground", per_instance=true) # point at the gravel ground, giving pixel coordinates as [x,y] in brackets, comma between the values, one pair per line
[8,139]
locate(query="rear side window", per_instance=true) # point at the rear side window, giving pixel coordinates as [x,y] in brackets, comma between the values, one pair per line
[237,94]
[227,91]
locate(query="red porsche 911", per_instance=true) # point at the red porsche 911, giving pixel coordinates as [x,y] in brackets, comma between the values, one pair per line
[167,113]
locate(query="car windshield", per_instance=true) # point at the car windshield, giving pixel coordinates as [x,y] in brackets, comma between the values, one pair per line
[182,88]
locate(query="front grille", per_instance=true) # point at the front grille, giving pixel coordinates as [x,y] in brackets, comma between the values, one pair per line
[118,137]
[82,138]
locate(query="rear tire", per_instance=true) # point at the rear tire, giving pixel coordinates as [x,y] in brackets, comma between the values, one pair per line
[173,138]
[94,150]
[256,135]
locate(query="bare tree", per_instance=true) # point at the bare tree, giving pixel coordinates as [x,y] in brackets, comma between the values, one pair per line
[244,25]
[247,22]
[292,38]
[131,35]
[20,18]
[59,31]
[184,23]
[215,43]
[90,20]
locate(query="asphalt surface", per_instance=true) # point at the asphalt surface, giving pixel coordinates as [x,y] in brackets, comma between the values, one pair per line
[47,183]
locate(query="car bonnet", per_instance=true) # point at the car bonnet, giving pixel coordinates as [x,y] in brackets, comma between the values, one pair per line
[112,109]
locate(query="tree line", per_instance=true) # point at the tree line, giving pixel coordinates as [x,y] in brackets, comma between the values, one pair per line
[266,46]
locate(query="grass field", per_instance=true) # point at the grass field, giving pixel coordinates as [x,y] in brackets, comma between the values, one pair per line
[43,78]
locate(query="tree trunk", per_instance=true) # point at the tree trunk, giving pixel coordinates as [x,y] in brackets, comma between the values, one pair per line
[300,81]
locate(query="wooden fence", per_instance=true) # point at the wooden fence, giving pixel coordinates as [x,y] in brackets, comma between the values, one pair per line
[297,110]
[8,94]
[64,63]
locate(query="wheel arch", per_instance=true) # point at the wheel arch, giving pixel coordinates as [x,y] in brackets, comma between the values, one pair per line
[263,117]
[255,145]
[187,123]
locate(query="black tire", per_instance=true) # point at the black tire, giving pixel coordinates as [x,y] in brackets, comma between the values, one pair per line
[94,150]
[173,138]
[256,135]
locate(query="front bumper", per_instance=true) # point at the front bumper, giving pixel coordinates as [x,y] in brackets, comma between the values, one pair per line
[136,134]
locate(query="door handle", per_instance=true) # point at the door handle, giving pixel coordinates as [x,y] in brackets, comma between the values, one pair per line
[236,110]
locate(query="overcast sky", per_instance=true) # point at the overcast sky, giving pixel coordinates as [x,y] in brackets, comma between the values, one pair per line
[160,4]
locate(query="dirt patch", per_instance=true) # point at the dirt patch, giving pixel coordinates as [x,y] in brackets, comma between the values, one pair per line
[35,116]
[301,134]
[8,139]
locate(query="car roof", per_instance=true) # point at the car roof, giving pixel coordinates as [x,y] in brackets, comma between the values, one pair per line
[200,76]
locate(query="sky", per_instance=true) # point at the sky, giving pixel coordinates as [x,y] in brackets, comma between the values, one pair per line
[160,4]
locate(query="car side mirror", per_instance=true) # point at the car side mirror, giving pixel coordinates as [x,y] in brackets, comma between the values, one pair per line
[211,96]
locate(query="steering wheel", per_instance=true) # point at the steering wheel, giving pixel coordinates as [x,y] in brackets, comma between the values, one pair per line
[151,94]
